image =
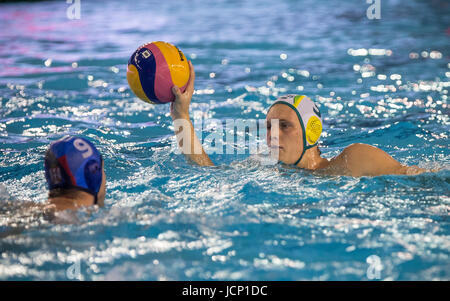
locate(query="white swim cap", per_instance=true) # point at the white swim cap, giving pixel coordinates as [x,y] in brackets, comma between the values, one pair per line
[309,116]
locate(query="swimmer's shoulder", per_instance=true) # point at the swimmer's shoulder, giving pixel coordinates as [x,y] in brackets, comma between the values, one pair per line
[19,208]
[358,151]
[359,159]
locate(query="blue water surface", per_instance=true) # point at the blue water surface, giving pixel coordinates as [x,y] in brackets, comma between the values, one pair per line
[383,82]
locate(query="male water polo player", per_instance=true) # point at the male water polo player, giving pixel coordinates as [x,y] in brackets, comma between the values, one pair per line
[300,127]
[75,174]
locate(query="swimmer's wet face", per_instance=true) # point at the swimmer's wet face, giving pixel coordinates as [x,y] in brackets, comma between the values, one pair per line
[296,136]
[289,141]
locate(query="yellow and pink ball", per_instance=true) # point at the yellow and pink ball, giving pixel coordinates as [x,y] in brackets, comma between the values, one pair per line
[154,68]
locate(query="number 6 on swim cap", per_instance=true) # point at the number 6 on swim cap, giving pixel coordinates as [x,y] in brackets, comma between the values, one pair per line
[154,68]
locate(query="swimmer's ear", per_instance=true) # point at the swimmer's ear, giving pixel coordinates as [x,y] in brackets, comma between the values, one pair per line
[93,175]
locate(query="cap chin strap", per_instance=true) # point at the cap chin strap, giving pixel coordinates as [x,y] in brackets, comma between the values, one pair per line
[304,151]
[301,156]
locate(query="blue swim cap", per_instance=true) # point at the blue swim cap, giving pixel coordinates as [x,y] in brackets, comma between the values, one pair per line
[74,162]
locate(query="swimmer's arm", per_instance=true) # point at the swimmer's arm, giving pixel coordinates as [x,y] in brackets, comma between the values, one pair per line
[366,160]
[188,141]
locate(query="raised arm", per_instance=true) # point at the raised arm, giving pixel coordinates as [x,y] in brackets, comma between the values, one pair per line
[187,140]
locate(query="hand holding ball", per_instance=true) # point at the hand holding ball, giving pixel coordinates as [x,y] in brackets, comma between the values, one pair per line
[154,68]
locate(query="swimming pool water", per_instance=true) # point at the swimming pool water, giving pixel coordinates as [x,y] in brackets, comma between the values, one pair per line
[383,82]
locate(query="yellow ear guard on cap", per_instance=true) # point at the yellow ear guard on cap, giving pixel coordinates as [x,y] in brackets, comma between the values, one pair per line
[309,116]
